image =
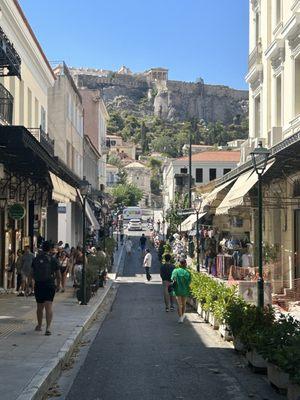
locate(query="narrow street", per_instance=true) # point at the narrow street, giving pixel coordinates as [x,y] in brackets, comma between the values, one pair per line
[141,352]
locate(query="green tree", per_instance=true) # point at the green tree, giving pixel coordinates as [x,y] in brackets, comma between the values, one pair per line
[128,194]
[115,123]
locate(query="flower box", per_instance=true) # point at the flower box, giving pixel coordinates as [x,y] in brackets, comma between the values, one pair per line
[225,332]
[213,321]
[293,391]
[238,345]
[277,377]
[256,361]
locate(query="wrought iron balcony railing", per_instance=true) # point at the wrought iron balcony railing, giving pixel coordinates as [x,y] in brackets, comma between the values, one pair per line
[6,105]
[43,138]
[10,61]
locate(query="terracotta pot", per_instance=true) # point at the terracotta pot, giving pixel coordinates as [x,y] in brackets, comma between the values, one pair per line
[225,332]
[293,392]
[213,321]
[277,377]
[256,361]
[238,345]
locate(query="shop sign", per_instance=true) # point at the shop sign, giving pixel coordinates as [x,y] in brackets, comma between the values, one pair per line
[17,211]
[62,210]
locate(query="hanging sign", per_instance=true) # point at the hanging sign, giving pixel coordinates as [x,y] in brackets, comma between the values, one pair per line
[17,211]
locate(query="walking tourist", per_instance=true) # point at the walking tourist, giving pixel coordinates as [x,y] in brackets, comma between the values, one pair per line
[63,261]
[45,271]
[166,270]
[78,265]
[26,271]
[143,241]
[19,273]
[10,268]
[147,264]
[181,279]
[128,245]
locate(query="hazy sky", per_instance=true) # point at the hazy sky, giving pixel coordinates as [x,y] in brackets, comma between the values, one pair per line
[193,38]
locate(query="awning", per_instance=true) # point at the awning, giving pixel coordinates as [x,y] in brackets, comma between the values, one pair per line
[188,223]
[210,197]
[235,197]
[62,191]
[89,213]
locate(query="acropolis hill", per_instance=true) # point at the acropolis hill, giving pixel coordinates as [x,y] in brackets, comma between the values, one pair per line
[152,93]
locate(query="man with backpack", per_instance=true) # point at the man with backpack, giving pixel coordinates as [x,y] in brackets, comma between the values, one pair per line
[45,271]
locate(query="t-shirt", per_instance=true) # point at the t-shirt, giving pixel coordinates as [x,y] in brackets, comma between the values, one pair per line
[166,272]
[143,240]
[148,260]
[182,277]
[27,260]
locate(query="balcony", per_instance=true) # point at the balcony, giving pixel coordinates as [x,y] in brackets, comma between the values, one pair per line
[255,56]
[6,106]
[10,61]
[43,137]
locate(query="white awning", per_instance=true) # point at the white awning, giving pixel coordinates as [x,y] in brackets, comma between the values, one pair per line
[62,192]
[89,213]
[210,197]
[235,197]
[188,223]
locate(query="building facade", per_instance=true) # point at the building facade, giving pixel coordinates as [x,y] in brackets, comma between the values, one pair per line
[95,123]
[140,175]
[206,167]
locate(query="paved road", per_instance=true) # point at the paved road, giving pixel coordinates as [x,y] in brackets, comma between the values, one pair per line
[141,352]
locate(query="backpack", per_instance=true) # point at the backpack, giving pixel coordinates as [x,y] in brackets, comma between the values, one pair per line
[43,270]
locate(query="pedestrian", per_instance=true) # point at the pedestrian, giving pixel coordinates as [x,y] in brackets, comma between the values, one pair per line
[10,268]
[143,241]
[26,271]
[122,235]
[181,279]
[63,261]
[19,273]
[166,270]
[128,245]
[78,265]
[147,264]
[45,270]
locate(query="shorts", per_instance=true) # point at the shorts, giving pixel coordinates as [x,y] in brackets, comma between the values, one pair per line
[63,270]
[44,291]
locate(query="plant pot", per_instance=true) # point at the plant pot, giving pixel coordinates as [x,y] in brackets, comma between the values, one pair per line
[199,309]
[293,391]
[256,361]
[225,332]
[277,377]
[238,345]
[213,321]
[206,316]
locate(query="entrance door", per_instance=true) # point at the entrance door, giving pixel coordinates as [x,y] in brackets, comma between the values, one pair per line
[297,243]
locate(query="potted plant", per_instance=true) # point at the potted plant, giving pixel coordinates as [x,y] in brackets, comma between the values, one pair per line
[234,318]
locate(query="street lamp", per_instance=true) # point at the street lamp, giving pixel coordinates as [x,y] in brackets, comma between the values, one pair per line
[260,157]
[85,190]
[197,207]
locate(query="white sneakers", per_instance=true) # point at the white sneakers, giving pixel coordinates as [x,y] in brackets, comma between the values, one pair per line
[181,319]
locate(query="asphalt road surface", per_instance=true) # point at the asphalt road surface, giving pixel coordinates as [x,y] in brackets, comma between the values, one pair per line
[141,352]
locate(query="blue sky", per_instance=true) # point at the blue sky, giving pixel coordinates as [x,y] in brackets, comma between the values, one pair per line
[193,38]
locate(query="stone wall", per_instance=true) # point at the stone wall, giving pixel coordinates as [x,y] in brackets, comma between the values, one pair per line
[171,100]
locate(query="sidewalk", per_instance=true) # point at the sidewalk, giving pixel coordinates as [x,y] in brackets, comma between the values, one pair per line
[29,360]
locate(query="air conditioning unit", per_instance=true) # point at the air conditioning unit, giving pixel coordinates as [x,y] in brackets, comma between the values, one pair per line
[274,136]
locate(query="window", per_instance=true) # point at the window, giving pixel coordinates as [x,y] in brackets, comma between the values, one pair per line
[297,86]
[278,12]
[226,170]
[257,116]
[278,102]
[43,118]
[36,113]
[183,170]
[29,108]
[212,174]
[199,175]
[257,28]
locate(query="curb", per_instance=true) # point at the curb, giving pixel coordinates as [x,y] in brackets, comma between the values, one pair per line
[50,371]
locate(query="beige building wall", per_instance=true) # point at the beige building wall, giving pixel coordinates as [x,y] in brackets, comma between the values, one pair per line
[140,176]
[30,93]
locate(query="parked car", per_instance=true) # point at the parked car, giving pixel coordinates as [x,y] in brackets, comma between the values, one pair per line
[135,225]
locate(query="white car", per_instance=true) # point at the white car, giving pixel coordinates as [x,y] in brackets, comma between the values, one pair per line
[135,225]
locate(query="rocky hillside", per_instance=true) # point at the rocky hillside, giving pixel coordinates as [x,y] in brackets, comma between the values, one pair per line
[152,93]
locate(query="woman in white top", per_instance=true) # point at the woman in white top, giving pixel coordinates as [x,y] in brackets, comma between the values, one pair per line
[128,245]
